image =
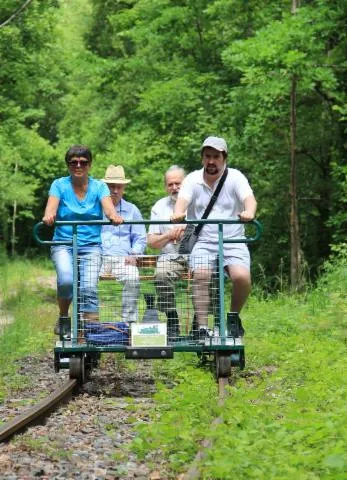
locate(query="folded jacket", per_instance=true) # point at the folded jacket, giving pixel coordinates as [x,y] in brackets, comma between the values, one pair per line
[110,333]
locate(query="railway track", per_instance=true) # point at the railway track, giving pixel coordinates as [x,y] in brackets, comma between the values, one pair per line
[24,420]
[79,439]
[64,393]
[193,472]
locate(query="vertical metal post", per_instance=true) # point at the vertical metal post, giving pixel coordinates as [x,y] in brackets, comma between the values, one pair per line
[221,280]
[74,286]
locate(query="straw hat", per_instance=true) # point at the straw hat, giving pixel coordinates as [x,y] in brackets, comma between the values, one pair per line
[115,174]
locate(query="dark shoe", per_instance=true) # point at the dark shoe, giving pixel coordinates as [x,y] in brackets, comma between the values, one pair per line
[151,313]
[194,328]
[150,300]
[234,325]
[202,334]
[63,327]
[173,327]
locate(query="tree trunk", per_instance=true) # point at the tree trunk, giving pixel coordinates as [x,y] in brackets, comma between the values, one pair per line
[14,217]
[295,257]
[295,247]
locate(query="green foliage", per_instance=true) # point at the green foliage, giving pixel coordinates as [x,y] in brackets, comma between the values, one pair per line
[287,48]
[288,404]
[26,98]
[143,82]
[215,67]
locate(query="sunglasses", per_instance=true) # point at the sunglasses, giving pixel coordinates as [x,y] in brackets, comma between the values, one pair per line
[78,163]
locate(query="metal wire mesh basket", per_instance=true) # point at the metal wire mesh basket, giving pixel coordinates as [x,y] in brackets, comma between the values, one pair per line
[147,289]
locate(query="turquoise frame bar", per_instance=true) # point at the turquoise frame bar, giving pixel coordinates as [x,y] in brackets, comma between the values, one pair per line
[74,332]
[222,329]
[256,223]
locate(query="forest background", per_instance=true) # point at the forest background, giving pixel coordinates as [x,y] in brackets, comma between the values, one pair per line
[142,82]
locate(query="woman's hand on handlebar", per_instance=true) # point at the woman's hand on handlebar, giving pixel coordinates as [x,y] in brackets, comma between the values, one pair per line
[49,219]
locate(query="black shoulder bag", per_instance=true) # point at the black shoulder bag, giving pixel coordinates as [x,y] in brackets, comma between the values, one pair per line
[191,233]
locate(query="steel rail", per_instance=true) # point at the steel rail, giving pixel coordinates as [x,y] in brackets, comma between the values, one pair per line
[223,382]
[194,473]
[23,420]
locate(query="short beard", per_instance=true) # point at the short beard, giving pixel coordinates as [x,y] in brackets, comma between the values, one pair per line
[211,173]
[174,196]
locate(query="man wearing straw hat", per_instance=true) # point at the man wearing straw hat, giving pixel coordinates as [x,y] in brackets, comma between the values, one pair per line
[121,244]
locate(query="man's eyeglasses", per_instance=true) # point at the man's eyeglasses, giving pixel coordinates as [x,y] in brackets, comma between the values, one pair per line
[78,163]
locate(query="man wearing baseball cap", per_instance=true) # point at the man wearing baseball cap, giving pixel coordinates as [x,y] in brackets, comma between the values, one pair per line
[235,199]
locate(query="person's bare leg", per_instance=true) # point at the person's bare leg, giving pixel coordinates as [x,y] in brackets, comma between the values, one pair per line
[201,298]
[64,304]
[241,279]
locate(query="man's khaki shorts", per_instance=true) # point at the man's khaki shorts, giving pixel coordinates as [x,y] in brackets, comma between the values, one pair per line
[205,255]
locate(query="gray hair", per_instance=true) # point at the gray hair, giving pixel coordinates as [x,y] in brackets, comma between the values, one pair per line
[174,168]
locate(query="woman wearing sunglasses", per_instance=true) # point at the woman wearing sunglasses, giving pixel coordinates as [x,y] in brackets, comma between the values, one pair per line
[78,197]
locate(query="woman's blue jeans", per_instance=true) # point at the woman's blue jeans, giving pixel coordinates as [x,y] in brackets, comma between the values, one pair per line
[89,263]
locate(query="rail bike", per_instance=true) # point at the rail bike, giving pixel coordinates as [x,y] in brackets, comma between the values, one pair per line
[143,330]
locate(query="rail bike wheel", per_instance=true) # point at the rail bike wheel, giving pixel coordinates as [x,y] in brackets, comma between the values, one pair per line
[91,361]
[77,368]
[206,360]
[223,364]
[238,359]
[94,359]
[56,362]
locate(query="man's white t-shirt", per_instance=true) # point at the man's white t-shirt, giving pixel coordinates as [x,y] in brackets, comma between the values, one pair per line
[162,210]
[229,204]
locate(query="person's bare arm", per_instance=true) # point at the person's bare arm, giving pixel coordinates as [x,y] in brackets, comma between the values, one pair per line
[159,240]
[110,211]
[51,210]
[180,210]
[250,208]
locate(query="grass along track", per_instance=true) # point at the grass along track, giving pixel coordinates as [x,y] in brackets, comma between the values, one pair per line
[28,297]
[286,415]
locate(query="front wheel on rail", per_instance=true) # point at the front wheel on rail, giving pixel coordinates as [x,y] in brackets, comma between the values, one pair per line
[223,364]
[78,369]
[238,359]
[93,359]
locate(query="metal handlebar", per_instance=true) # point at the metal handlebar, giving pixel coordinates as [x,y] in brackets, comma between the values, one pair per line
[75,223]
[37,239]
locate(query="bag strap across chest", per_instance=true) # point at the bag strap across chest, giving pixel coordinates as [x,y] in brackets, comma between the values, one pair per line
[212,200]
